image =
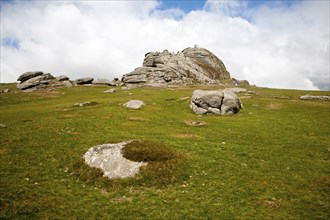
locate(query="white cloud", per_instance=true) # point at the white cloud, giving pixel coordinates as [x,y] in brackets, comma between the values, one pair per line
[272,45]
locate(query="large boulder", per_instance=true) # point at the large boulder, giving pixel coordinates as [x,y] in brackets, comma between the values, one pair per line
[219,102]
[191,66]
[84,80]
[109,158]
[33,82]
[28,75]
[62,78]
[101,82]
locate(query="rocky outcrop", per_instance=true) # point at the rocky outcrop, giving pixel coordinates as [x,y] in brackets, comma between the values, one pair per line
[109,158]
[36,82]
[191,66]
[31,81]
[219,102]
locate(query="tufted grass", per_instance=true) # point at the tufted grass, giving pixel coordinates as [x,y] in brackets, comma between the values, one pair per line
[269,161]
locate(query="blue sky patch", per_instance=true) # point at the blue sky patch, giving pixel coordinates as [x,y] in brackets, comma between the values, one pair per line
[10,42]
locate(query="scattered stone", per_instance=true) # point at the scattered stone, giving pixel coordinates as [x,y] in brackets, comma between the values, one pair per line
[315,97]
[5,91]
[250,92]
[134,104]
[82,104]
[110,91]
[62,78]
[194,123]
[184,98]
[29,75]
[109,158]
[3,126]
[85,80]
[215,102]
[235,90]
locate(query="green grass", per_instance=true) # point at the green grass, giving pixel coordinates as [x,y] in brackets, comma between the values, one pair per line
[269,161]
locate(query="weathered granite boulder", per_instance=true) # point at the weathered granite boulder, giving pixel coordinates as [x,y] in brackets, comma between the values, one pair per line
[28,75]
[134,104]
[191,66]
[101,82]
[62,78]
[33,82]
[85,80]
[109,159]
[219,102]
[315,97]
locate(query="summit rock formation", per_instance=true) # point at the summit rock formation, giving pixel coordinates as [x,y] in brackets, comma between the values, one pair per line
[190,66]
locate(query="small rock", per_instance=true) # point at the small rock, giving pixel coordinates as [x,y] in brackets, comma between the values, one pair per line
[194,123]
[5,91]
[134,104]
[82,104]
[110,91]
[235,90]
[3,126]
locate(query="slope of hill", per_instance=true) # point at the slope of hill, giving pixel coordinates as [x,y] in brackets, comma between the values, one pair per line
[271,160]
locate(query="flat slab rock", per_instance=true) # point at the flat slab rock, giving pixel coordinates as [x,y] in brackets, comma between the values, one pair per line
[110,160]
[134,104]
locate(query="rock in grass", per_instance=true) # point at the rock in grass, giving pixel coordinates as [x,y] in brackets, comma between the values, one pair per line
[3,126]
[109,158]
[219,102]
[315,97]
[110,91]
[134,104]
[82,104]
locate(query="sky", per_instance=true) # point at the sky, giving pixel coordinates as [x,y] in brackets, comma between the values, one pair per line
[278,44]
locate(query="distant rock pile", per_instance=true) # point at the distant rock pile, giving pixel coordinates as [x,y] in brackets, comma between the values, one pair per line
[31,81]
[315,97]
[191,66]
[219,102]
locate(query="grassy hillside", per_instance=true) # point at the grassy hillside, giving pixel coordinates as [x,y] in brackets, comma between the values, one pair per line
[270,161]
